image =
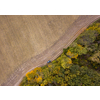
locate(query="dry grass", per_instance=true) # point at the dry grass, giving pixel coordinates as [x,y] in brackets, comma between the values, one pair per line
[23,37]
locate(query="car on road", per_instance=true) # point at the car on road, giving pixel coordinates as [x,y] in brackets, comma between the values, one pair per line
[49,61]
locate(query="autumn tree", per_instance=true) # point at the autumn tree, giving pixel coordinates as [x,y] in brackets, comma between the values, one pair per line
[94,27]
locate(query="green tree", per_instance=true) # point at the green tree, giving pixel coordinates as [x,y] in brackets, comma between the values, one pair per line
[86,38]
[78,49]
[66,62]
[46,73]
[95,57]
[94,27]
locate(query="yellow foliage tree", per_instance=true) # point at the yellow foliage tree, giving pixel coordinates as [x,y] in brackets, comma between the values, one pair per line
[33,73]
[39,79]
[77,49]
[45,82]
[94,26]
[71,55]
[66,62]
[29,75]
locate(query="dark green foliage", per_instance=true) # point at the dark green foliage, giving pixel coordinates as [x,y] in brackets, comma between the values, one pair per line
[76,48]
[46,73]
[96,57]
[86,38]
[85,76]
[93,47]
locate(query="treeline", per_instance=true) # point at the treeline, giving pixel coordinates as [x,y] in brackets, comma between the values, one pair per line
[78,65]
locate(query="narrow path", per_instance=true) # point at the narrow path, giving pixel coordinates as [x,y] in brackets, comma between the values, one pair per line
[54,51]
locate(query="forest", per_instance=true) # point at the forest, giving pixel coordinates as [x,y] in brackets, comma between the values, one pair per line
[78,65]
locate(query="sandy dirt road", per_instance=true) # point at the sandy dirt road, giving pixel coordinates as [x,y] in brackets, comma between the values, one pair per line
[54,51]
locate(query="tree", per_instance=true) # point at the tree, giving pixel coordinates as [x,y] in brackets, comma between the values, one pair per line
[66,62]
[95,57]
[38,79]
[86,38]
[93,47]
[46,73]
[77,49]
[71,55]
[56,70]
[94,26]
[58,80]
[30,75]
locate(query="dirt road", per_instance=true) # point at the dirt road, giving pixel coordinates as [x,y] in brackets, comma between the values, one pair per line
[54,51]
